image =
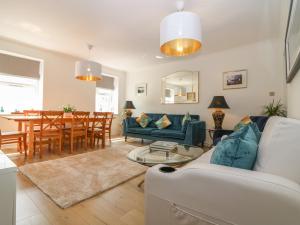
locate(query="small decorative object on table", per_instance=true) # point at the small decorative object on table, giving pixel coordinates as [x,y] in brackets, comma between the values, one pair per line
[218,103]
[163,146]
[68,110]
[127,108]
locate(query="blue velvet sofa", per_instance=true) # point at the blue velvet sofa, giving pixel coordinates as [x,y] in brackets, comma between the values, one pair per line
[193,134]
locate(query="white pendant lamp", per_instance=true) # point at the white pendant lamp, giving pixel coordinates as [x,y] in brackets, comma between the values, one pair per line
[180,33]
[88,70]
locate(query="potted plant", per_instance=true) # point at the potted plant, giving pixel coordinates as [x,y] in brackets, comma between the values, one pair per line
[275,109]
[68,109]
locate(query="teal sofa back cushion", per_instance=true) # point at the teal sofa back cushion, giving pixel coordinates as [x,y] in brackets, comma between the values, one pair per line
[176,120]
[239,149]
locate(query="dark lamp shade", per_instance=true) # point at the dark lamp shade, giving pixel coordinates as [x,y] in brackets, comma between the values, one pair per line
[218,102]
[129,105]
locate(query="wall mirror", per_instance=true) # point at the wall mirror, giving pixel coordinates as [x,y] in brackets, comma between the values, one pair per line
[180,87]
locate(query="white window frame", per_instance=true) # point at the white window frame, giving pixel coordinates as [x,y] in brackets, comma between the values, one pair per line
[115,93]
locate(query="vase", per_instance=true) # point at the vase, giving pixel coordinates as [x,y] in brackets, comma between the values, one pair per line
[68,115]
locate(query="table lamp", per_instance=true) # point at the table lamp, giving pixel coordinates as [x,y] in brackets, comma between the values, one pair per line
[218,103]
[128,107]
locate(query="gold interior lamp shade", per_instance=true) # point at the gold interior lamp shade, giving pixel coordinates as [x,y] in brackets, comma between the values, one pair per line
[180,34]
[88,70]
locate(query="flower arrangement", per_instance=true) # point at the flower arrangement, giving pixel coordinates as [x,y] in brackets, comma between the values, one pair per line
[68,108]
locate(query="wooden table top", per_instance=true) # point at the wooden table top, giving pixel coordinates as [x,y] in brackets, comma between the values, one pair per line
[22,118]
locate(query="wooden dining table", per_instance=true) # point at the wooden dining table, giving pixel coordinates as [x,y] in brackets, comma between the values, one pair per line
[31,122]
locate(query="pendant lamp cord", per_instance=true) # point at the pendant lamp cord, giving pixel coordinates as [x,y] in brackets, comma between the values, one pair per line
[180,5]
[90,47]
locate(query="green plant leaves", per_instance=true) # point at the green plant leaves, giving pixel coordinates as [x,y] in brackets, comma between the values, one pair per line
[275,109]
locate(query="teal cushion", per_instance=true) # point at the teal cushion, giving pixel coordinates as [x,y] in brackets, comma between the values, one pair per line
[185,120]
[237,150]
[244,128]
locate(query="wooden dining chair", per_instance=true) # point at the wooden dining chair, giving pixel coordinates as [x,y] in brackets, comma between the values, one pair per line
[78,129]
[97,131]
[30,113]
[50,131]
[14,137]
[109,119]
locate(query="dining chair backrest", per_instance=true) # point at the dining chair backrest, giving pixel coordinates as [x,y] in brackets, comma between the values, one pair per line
[32,112]
[99,120]
[109,118]
[80,121]
[51,121]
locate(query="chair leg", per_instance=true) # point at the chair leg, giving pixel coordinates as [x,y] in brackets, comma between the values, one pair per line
[103,139]
[49,144]
[86,142]
[25,144]
[71,143]
[41,149]
[60,145]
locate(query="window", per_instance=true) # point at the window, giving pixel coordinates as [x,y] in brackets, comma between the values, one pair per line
[105,100]
[19,93]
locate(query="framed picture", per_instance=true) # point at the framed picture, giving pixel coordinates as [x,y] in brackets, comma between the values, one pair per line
[235,79]
[292,41]
[141,89]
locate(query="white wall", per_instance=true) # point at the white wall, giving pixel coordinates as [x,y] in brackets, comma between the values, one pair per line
[264,75]
[59,86]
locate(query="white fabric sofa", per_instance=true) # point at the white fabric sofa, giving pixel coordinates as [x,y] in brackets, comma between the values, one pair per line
[201,193]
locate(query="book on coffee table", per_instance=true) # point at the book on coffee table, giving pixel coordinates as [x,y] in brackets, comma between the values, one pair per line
[163,146]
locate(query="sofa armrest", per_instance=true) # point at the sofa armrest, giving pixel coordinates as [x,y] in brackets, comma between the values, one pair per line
[231,195]
[129,122]
[195,133]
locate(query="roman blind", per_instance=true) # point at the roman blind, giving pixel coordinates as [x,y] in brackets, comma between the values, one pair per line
[19,66]
[106,82]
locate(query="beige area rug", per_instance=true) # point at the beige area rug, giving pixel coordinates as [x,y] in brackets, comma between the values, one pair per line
[73,179]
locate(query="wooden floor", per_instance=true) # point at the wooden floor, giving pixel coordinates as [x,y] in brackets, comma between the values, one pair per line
[122,205]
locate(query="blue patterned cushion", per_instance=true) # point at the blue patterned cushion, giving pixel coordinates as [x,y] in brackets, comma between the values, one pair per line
[143,120]
[237,150]
[163,122]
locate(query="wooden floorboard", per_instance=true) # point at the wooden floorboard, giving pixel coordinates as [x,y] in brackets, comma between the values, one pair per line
[122,205]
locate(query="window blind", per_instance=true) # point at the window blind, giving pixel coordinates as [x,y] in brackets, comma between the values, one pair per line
[106,82]
[19,66]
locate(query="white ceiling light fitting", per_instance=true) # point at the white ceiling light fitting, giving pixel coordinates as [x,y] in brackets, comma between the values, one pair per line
[88,70]
[180,33]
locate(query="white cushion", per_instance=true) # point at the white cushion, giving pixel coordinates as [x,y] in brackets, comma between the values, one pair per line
[279,148]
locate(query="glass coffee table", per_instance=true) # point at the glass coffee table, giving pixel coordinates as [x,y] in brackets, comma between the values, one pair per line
[179,156]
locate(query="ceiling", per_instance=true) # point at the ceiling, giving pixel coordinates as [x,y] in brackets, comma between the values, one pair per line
[125,33]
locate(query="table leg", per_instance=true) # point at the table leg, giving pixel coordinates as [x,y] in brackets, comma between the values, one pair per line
[20,139]
[31,139]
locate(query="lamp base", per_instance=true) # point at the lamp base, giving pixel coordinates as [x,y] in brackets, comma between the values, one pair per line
[128,113]
[218,119]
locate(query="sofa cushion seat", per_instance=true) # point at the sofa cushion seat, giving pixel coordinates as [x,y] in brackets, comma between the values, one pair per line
[140,130]
[167,133]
